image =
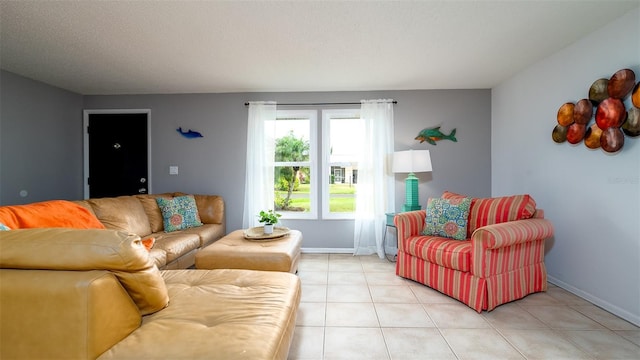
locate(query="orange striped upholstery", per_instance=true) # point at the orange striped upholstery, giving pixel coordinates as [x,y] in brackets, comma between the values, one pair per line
[457,284]
[504,247]
[488,211]
[500,262]
[516,284]
[454,254]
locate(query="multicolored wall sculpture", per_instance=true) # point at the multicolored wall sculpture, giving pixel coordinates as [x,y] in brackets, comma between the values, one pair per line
[612,121]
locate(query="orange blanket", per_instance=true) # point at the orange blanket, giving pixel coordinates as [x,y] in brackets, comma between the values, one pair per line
[54,213]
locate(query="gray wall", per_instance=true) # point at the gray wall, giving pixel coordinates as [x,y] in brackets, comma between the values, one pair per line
[215,164]
[42,144]
[592,198]
[40,141]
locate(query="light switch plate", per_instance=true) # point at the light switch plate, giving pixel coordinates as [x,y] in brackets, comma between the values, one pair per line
[173,170]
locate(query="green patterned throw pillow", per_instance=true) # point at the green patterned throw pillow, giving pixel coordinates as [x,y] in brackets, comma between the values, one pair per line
[4,227]
[179,213]
[447,218]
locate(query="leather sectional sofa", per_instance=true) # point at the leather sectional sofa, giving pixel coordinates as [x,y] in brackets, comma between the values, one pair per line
[140,215]
[99,293]
[87,294]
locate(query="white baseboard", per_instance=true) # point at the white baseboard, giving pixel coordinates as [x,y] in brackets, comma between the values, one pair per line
[327,250]
[624,314]
[388,251]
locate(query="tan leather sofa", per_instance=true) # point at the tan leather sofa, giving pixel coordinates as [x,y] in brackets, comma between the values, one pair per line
[87,294]
[140,214]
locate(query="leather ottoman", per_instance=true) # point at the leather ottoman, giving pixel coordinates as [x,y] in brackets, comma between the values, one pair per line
[235,252]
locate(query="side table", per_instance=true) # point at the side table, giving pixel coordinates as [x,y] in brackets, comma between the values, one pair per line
[387,225]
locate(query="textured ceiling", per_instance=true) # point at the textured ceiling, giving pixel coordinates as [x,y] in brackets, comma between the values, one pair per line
[134,47]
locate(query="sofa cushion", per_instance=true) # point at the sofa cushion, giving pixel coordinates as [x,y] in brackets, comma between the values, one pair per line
[179,213]
[176,244]
[489,211]
[158,256]
[208,233]
[210,208]
[445,252]
[152,210]
[82,250]
[122,213]
[85,204]
[218,314]
[53,213]
[447,217]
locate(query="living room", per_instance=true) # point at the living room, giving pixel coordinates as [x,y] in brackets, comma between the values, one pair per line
[504,147]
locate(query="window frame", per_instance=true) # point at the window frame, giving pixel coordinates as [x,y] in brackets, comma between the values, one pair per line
[311,115]
[327,115]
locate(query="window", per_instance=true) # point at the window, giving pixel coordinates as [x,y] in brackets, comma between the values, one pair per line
[295,165]
[342,132]
[297,182]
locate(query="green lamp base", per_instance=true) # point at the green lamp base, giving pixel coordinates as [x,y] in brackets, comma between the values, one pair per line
[406,207]
[411,194]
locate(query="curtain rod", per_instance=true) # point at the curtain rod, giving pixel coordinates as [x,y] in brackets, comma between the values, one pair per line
[317,104]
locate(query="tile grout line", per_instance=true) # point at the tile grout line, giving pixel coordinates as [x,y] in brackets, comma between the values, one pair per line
[326,308]
[499,331]
[435,325]
[561,332]
[554,330]
[384,340]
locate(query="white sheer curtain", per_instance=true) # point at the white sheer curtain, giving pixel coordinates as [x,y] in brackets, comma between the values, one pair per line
[376,192]
[258,188]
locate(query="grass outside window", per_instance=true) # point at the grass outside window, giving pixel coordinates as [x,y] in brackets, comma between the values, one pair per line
[344,203]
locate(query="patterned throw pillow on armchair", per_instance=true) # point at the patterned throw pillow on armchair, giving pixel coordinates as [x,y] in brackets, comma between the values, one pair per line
[447,217]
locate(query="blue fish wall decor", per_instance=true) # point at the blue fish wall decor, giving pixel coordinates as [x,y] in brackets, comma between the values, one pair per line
[189,134]
[431,135]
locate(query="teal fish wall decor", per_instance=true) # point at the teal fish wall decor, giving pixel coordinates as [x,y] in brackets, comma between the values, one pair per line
[431,135]
[189,134]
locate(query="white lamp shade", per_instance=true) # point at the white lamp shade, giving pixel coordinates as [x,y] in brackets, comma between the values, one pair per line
[411,161]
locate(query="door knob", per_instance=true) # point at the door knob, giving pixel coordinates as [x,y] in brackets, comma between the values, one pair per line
[143,180]
[142,191]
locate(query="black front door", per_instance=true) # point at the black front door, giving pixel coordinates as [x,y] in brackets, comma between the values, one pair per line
[118,154]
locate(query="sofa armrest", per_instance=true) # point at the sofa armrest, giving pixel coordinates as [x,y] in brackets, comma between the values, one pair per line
[49,314]
[409,224]
[81,250]
[503,247]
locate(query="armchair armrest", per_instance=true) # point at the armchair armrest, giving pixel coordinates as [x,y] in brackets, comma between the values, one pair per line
[503,247]
[512,232]
[409,224]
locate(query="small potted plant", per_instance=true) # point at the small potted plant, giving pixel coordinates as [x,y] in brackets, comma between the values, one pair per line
[269,218]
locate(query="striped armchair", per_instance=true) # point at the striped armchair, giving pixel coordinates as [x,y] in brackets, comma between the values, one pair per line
[501,260]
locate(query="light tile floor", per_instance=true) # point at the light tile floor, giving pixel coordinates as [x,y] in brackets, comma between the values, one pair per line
[354,307]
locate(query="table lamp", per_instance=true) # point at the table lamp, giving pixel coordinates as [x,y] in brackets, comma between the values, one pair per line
[411,161]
